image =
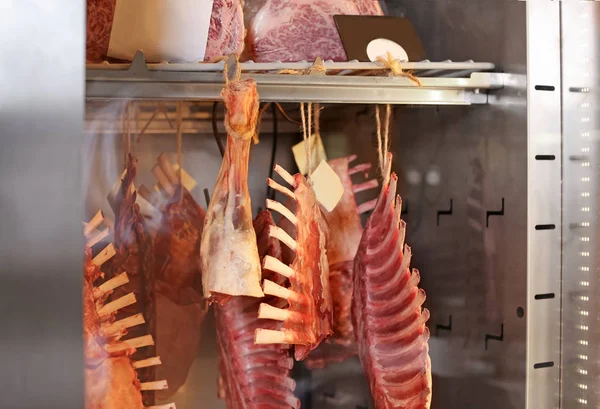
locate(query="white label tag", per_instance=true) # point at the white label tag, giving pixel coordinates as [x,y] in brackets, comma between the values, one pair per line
[165,30]
[327,186]
[317,154]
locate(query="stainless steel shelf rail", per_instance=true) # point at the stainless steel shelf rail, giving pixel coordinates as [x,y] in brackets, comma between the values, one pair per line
[443,83]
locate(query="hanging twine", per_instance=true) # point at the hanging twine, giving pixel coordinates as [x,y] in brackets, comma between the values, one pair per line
[396,69]
[238,70]
[126,132]
[318,67]
[318,120]
[179,145]
[306,130]
[383,140]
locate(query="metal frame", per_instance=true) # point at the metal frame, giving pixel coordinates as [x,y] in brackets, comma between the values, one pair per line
[41,245]
[544,205]
[580,367]
[178,81]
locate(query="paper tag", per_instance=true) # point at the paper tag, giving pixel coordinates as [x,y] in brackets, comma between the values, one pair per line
[327,186]
[317,154]
[165,30]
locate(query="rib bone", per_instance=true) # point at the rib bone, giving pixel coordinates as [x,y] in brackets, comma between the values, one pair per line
[271,288]
[118,326]
[269,336]
[105,255]
[285,175]
[138,342]
[370,184]
[281,209]
[367,206]
[154,386]
[94,223]
[111,284]
[280,188]
[273,264]
[144,363]
[163,180]
[117,304]
[266,311]
[280,234]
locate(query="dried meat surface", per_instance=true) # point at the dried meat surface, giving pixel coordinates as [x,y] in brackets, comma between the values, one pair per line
[180,306]
[229,256]
[254,376]
[135,256]
[387,313]
[296,30]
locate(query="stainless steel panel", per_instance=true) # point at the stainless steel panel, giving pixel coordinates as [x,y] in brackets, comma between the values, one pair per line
[41,111]
[544,203]
[580,25]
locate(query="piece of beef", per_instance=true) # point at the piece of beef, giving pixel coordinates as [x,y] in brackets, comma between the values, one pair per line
[229,256]
[346,230]
[296,30]
[135,256]
[226,34]
[254,376]
[180,306]
[386,308]
[308,319]
[99,20]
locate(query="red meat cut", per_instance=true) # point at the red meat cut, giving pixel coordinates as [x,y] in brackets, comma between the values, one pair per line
[308,320]
[346,230]
[296,30]
[386,308]
[226,33]
[254,376]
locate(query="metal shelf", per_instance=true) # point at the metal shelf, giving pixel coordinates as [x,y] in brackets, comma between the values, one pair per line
[443,83]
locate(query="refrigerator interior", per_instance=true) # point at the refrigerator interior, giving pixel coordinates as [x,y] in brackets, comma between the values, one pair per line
[499,202]
[462,179]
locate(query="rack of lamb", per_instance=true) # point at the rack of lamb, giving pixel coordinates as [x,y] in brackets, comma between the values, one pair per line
[254,376]
[386,308]
[307,321]
[111,381]
[134,254]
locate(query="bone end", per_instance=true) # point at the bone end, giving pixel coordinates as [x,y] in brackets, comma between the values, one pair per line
[268,336]
[154,385]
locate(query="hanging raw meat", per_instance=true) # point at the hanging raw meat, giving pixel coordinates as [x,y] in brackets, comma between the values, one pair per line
[111,380]
[296,30]
[180,306]
[229,257]
[386,308]
[346,230]
[254,376]
[135,255]
[308,319]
